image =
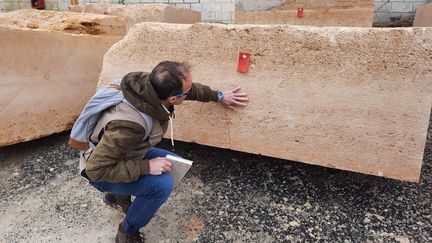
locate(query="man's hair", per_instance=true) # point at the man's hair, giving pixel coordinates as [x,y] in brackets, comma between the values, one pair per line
[167,78]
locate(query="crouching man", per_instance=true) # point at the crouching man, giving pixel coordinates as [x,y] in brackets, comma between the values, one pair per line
[122,160]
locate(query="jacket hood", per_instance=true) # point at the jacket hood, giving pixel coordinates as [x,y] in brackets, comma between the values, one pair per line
[139,92]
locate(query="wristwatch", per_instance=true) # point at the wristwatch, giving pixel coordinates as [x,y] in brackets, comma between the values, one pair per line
[220,96]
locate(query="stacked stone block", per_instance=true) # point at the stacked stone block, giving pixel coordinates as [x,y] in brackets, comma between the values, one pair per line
[213,11]
[49,64]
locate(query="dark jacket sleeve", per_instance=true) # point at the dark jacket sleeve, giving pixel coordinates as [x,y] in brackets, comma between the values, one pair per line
[107,161]
[203,93]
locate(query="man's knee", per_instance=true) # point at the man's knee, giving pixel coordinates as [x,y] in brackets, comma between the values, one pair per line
[161,186]
[166,184]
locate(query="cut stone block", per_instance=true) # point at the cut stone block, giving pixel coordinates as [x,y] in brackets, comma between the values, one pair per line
[53,60]
[316,13]
[143,13]
[49,67]
[423,17]
[262,5]
[355,99]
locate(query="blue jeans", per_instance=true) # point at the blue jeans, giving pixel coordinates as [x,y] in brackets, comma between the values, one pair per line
[150,193]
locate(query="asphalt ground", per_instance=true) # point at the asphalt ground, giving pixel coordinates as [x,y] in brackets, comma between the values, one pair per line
[227,196]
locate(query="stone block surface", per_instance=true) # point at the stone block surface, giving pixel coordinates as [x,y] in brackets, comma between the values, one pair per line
[423,17]
[355,99]
[143,13]
[49,67]
[313,17]
[264,5]
[316,13]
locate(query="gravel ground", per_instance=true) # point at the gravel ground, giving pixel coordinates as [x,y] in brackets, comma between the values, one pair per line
[227,196]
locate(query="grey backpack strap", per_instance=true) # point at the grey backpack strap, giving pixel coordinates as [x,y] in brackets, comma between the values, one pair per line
[148,119]
[122,111]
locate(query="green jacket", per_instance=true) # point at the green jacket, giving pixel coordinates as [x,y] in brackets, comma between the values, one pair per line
[118,156]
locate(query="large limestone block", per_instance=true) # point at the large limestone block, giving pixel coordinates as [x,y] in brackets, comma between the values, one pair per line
[143,13]
[330,17]
[423,17]
[47,72]
[355,99]
[316,13]
[260,5]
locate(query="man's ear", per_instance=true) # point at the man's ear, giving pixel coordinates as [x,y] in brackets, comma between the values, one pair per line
[171,99]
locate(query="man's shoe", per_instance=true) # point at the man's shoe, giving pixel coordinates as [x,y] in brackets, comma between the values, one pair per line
[124,237]
[121,202]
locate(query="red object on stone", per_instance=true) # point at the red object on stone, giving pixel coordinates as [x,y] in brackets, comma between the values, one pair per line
[243,62]
[38,4]
[300,12]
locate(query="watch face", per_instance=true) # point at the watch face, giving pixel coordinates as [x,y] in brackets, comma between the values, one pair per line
[220,95]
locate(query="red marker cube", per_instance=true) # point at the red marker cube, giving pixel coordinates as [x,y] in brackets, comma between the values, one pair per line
[300,12]
[243,62]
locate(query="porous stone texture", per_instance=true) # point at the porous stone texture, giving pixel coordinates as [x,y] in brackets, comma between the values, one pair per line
[143,13]
[259,5]
[316,13]
[423,17]
[65,22]
[49,67]
[355,99]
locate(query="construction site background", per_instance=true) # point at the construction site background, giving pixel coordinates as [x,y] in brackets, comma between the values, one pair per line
[387,13]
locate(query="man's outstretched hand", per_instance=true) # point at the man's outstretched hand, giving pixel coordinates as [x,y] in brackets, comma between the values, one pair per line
[234,98]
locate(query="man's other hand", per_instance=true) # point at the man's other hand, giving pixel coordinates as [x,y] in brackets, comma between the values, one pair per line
[159,165]
[234,98]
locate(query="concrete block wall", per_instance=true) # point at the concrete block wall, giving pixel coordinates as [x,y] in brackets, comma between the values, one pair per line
[396,12]
[59,5]
[9,5]
[221,11]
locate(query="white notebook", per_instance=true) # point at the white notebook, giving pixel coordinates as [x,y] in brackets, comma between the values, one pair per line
[180,167]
